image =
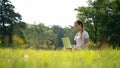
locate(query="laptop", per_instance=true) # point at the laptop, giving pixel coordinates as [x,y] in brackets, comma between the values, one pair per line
[66,43]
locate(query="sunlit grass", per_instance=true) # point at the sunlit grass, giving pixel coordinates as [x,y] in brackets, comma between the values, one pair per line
[20,58]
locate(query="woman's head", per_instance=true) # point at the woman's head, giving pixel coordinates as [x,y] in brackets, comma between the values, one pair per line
[78,25]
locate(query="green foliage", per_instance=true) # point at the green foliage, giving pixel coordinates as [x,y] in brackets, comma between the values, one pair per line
[102,21]
[8,18]
[41,36]
[58,34]
[114,22]
[37,36]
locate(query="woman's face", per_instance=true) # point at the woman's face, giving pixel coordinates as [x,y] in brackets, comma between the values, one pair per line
[77,26]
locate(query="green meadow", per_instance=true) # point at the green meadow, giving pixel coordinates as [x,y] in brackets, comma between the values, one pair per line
[29,58]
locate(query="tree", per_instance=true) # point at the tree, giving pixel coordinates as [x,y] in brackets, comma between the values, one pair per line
[113,24]
[8,17]
[38,36]
[99,17]
[58,34]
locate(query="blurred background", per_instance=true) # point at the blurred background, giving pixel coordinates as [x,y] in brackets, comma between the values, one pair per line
[40,24]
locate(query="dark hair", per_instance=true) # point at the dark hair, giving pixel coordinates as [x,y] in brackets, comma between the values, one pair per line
[80,23]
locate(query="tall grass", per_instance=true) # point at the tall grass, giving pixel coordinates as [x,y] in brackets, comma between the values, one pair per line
[20,58]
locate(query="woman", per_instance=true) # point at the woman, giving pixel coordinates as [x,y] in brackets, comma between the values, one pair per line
[81,37]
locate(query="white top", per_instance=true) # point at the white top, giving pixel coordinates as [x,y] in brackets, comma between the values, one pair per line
[81,41]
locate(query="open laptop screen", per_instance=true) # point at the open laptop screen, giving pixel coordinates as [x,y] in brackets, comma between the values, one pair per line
[66,42]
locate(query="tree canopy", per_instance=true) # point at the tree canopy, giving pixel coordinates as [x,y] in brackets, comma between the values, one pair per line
[8,19]
[101,18]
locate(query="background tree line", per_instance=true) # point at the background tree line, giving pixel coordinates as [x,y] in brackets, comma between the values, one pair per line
[100,18]
[41,36]
[16,33]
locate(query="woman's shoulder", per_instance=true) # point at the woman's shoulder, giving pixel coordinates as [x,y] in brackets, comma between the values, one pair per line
[85,32]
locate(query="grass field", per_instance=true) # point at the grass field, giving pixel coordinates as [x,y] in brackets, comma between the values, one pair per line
[28,58]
